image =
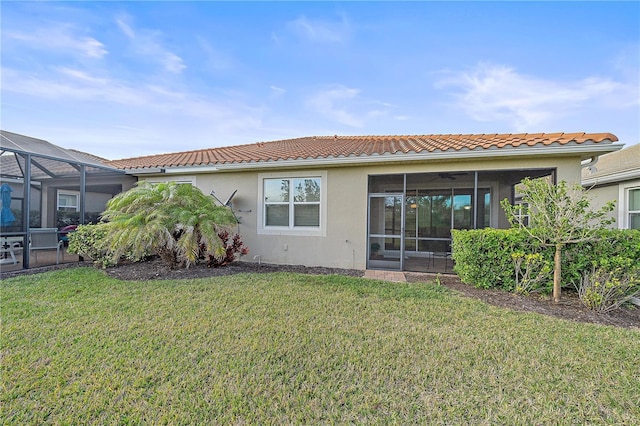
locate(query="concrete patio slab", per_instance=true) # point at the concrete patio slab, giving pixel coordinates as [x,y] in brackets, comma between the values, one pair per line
[393,276]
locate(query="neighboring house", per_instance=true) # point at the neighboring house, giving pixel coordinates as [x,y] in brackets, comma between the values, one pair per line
[616,177]
[384,202]
[51,187]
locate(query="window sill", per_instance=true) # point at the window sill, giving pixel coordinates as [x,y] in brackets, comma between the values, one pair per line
[310,232]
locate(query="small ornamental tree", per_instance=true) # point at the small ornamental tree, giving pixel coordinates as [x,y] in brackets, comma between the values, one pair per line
[556,215]
[176,221]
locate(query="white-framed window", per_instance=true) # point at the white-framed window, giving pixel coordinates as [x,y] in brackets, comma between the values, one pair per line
[68,201]
[190,180]
[633,208]
[292,203]
[522,212]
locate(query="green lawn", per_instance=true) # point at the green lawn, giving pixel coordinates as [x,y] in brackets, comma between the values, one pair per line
[81,348]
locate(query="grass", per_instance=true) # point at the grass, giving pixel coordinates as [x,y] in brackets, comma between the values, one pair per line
[80,347]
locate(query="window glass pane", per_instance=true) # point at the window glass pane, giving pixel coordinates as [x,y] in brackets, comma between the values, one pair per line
[392,215]
[410,217]
[440,216]
[462,218]
[410,245]
[424,215]
[306,190]
[634,221]
[276,190]
[434,246]
[67,200]
[392,244]
[306,215]
[277,215]
[487,211]
[634,200]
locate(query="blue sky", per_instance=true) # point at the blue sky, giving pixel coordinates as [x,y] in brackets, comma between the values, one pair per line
[123,79]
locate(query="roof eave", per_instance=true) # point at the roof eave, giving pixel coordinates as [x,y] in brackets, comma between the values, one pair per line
[611,178]
[584,151]
[67,160]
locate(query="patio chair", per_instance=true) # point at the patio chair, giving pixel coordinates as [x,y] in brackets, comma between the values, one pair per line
[46,239]
[9,248]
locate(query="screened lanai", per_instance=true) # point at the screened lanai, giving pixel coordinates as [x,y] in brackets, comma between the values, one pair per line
[46,192]
[411,215]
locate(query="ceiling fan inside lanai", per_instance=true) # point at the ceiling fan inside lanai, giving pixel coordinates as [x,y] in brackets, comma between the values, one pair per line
[451,176]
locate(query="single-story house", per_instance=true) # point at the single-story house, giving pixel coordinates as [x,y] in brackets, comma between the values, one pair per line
[616,177]
[377,202]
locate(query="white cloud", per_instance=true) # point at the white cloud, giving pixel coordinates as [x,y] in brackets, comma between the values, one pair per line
[346,106]
[59,37]
[214,59]
[68,86]
[148,43]
[499,93]
[321,31]
[332,103]
[277,91]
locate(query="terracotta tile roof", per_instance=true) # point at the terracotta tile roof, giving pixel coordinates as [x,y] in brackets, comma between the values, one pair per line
[316,147]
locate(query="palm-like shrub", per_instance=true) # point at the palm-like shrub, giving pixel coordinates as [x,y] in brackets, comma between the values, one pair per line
[176,221]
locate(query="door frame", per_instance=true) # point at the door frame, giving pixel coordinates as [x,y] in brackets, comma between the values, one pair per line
[399,236]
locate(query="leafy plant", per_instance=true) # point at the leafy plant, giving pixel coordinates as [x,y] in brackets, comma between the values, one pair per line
[176,221]
[604,291]
[234,248]
[556,215]
[532,270]
[88,241]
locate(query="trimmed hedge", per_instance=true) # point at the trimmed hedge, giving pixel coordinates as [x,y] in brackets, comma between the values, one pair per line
[483,256]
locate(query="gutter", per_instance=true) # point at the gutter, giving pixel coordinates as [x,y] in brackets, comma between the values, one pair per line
[612,178]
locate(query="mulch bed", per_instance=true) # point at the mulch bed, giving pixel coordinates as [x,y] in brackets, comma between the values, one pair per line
[569,308]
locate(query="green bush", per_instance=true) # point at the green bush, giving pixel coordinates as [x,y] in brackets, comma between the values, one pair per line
[485,257]
[532,271]
[613,249]
[605,290]
[88,241]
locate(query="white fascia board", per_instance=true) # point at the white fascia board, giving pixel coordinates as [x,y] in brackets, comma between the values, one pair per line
[192,169]
[612,178]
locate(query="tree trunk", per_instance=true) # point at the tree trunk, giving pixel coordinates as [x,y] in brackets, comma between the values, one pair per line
[557,273]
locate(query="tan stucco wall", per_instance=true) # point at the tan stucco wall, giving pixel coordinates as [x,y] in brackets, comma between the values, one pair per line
[600,196]
[344,244]
[618,192]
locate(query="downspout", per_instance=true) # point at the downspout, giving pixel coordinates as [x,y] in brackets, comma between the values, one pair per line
[591,164]
[591,167]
